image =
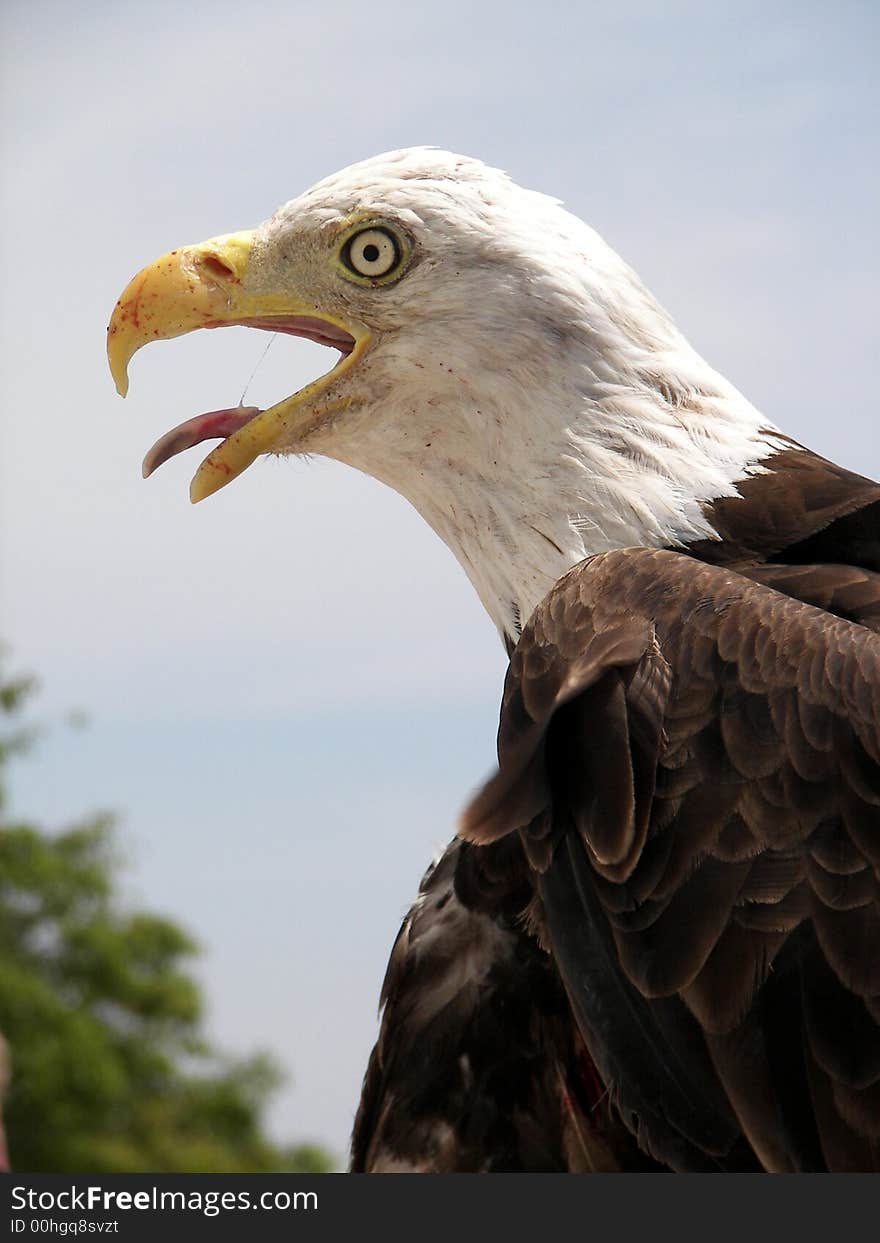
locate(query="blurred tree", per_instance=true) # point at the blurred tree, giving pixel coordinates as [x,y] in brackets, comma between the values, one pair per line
[110,1069]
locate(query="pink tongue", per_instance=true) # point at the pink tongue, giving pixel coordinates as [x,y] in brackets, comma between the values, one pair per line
[214,425]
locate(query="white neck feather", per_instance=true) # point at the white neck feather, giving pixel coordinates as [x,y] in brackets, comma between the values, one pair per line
[617,468]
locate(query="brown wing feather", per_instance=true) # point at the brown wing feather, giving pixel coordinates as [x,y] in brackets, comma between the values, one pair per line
[701,754]
[479,1067]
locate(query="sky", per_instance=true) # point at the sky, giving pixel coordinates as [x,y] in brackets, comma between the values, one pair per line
[291,689]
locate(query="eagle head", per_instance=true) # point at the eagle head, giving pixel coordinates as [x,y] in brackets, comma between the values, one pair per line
[499,365]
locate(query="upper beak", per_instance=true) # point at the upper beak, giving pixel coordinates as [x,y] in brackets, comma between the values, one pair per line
[205,286]
[193,287]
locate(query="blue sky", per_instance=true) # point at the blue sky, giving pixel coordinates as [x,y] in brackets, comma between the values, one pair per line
[291,687]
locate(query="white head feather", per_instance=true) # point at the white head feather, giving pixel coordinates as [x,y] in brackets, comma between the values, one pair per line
[524,390]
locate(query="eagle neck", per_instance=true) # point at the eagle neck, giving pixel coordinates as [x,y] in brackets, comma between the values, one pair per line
[521,484]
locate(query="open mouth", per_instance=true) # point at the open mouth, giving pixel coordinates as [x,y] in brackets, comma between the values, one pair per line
[207,286]
[221,424]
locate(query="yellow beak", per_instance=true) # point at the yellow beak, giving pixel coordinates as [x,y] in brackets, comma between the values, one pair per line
[193,287]
[203,286]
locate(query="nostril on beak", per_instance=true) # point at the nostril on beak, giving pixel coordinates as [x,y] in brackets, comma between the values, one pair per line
[217,268]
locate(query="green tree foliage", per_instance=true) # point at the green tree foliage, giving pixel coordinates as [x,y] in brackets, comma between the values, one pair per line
[110,1068]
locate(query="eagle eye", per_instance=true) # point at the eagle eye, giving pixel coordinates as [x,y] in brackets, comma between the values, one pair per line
[374,253]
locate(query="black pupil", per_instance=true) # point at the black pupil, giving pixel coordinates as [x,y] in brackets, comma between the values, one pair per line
[371,252]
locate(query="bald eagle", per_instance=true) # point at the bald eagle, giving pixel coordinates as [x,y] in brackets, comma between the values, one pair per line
[655,941]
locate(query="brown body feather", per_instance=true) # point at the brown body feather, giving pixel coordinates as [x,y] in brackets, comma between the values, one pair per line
[706,753]
[687,817]
[478,1067]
